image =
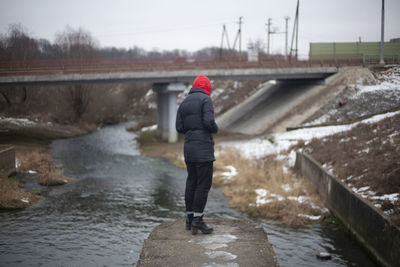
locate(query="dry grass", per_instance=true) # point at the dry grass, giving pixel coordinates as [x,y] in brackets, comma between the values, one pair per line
[54,178]
[11,197]
[178,161]
[43,164]
[35,161]
[266,174]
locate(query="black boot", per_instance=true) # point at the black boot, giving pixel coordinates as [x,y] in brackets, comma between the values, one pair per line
[199,224]
[189,219]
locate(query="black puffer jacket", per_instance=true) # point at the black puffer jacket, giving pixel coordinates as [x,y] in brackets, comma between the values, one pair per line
[195,119]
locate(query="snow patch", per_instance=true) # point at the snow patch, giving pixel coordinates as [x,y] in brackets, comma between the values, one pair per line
[311,217]
[149,128]
[299,199]
[261,147]
[261,197]
[390,197]
[232,172]
[17,121]
[286,187]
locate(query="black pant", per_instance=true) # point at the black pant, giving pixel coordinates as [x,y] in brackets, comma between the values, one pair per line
[198,184]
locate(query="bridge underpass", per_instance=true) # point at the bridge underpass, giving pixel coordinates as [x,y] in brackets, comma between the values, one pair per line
[167,84]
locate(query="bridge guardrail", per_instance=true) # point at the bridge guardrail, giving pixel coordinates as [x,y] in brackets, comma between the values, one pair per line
[83,66]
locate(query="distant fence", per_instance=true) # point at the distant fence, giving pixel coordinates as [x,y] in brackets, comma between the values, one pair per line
[367,53]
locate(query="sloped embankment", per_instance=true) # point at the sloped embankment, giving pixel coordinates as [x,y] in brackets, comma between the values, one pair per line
[278,105]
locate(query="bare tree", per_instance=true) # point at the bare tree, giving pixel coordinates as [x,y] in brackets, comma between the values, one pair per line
[14,96]
[80,99]
[19,45]
[76,43]
[258,45]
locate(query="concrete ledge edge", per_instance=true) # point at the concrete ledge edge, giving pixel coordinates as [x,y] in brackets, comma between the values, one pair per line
[368,224]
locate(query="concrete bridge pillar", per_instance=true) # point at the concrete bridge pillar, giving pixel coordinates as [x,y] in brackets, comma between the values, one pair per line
[167,95]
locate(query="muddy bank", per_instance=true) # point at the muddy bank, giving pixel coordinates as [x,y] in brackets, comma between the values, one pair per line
[23,128]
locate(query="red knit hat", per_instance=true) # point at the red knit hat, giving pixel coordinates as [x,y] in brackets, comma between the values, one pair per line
[204,83]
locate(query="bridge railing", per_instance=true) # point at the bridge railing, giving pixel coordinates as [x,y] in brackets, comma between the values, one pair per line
[106,65]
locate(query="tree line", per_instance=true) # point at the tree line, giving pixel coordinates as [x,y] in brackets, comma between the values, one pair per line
[17,44]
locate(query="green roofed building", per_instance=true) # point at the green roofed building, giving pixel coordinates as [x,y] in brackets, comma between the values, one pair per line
[367,52]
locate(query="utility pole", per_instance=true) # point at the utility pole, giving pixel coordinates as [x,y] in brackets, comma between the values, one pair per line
[238,36]
[286,36]
[295,31]
[224,34]
[381,49]
[269,35]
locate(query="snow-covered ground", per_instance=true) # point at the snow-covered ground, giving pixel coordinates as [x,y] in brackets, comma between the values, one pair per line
[16,121]
[279,142]
[379,94]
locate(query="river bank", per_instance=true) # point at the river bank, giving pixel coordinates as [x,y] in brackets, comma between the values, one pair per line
[36,170]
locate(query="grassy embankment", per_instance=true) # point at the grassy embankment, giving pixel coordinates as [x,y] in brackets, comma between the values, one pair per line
[366,158]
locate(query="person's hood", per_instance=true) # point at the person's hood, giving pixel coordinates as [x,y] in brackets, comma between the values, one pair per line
[204,83]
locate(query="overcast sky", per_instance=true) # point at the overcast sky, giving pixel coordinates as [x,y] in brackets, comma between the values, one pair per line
[191,25]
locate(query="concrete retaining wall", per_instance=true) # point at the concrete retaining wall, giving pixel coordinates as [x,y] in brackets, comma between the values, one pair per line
[370,226]
[7,160]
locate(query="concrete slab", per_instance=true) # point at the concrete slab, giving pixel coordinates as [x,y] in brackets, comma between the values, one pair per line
[233,243]
[275,107]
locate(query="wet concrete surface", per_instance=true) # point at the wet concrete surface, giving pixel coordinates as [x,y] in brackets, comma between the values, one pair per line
[233,243]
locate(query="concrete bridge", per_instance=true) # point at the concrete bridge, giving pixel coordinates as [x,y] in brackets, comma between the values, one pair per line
[168,77]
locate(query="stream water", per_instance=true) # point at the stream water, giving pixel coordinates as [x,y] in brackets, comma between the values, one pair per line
[120,196]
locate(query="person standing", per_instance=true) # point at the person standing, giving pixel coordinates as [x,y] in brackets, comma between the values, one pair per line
[195,119]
